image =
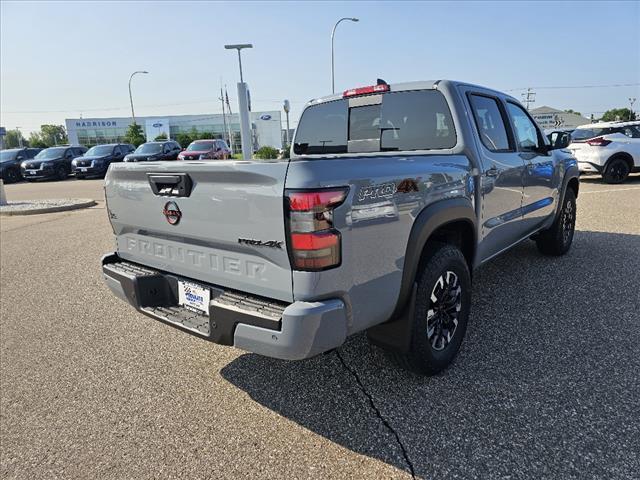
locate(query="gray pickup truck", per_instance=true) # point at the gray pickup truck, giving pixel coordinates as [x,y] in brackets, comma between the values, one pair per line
[392,196]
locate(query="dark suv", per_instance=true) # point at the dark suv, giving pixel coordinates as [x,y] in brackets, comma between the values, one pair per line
[53,162]
[96,161]
[151,151]
[10,162]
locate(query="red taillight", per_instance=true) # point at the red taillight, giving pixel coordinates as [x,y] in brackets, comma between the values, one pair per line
[366,90]
[598,142]
[314,243]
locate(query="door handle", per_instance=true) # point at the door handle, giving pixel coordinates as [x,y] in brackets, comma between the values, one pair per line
[492,172]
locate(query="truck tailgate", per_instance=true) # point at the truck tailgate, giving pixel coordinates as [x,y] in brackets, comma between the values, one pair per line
[220,222]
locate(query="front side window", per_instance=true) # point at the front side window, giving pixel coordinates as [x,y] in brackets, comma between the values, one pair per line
[491,127]
[525,131]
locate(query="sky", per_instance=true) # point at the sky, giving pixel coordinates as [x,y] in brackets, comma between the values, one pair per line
[66,59]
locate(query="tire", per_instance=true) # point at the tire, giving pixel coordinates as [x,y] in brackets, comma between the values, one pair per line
[617,171]
[441,313]
[12,176]
[558,238]
[62,173]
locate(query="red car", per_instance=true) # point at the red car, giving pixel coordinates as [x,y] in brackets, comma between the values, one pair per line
[206,150]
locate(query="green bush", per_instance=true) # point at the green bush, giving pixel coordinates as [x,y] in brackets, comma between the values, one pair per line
[161,137]
[266,153]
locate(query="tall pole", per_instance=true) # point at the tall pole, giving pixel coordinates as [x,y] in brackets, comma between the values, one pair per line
[243,106]
[333,33]
[224,115]
[19,136]
[287,107]
[133,114]
[632,100]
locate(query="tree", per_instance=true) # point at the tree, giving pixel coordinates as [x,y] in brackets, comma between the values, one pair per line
[573,111]
[184,139]
[619,115]
[267,153]
[53,135]
[134,135]
[35,140]
[12,139]
[161,137]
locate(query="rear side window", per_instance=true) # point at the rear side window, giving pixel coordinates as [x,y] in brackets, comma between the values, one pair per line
[404,121]
[490,123]
[419,120]
[632,131]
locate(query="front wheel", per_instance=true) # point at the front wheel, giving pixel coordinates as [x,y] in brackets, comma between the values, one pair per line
[558,238]
[443,302]
[61,172]
[12,175]
[617,171]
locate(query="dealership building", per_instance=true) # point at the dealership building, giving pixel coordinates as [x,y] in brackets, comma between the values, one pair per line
[266,128]
[551,118]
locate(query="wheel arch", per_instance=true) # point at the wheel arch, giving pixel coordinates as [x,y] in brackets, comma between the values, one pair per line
[451,221]
[624,155]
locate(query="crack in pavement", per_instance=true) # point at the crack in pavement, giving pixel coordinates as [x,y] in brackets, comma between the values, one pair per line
[375,409]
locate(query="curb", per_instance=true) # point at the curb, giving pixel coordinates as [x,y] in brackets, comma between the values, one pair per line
[61,208]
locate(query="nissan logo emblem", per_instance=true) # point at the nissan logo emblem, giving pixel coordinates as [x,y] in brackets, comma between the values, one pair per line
[172,213]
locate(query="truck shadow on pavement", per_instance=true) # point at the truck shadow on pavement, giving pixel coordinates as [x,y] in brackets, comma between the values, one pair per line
[545,385]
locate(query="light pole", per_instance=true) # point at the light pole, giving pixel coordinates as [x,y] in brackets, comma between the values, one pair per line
[287,107]
[632,100]
[243,106]
[19,136]
[239,47]
[130,96]
[333,32]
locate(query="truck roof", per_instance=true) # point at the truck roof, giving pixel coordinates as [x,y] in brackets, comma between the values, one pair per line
[415,85]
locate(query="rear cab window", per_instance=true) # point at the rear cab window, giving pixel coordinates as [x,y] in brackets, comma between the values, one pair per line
[395,121]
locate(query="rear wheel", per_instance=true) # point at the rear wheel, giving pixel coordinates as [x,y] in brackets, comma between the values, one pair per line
[441,312]
[617,171]
[558,238]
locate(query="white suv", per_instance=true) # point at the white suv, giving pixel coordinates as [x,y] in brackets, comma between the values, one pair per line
[611,149]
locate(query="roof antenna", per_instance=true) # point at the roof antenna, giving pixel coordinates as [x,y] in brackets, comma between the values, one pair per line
[381,82]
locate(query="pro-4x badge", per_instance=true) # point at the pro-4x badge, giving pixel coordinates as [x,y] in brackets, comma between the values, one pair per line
[261,243]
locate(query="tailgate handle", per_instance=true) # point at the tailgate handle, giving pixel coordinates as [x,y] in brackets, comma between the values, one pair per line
[170,185]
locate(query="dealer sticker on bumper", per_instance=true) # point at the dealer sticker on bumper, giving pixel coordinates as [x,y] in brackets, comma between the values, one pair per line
[194,297]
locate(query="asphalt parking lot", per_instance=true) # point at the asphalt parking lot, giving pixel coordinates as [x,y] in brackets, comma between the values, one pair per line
[547,384]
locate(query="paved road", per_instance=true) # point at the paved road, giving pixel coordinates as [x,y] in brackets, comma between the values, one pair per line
[546,385]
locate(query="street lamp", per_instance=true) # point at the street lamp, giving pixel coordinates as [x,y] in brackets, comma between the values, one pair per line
[130,97]
[333,32]
[287,107]
[243,106]
[239,47]
[632,100]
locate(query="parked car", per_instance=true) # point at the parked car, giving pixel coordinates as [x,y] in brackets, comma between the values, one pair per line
[53,162]
[150,151]
[10,161]
[611,149]
[206,150]
[96,161]
[268,256]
